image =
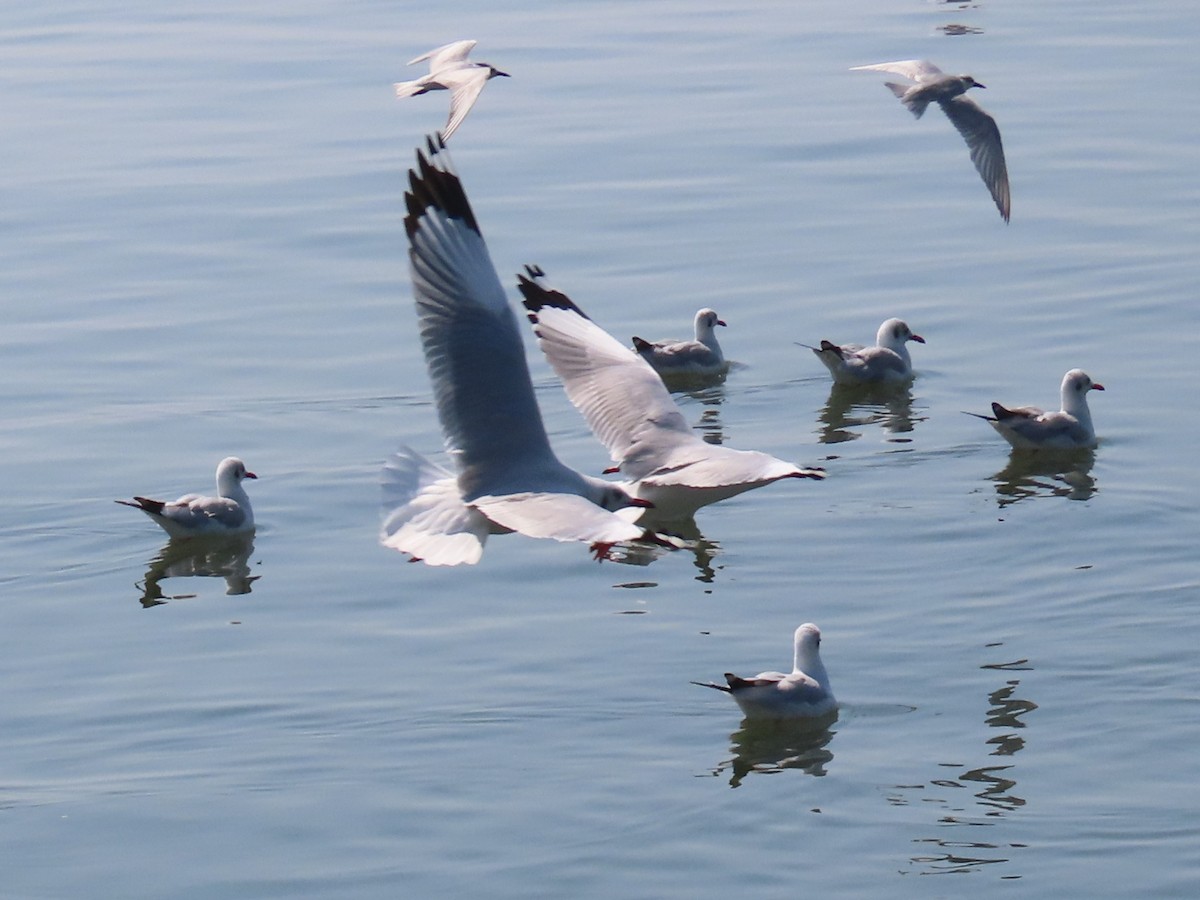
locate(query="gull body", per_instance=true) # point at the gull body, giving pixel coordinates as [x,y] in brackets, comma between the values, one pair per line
[229,512]
[978,129]
[802,693]
[1029,428]
[700,356]
[887,362]
[449,70]
[507,477]
[630,410]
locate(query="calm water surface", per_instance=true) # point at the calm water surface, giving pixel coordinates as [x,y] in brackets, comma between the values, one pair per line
[203,254]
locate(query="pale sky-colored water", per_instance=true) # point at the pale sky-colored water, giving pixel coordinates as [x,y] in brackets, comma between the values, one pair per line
[203,254]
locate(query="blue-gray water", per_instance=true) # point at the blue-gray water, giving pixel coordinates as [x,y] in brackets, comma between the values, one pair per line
[203,254]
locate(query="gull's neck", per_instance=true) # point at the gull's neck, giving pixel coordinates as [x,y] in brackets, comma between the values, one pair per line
[888,341]
[1075,404]
[707,335]
[810,664]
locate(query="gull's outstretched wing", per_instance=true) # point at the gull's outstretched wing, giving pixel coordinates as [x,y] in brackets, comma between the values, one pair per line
[473,348]
[982,135]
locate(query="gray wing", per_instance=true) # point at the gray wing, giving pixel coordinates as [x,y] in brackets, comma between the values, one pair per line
[561,517]
[456,51]
[465,85]
[1042,428]
[473,348]
[680,354]
[876,363]
[982,135]
[226,513]
[622,398]
[912,69]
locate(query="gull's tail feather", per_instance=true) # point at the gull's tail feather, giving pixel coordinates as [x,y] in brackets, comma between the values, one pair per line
[409,88]
[914,105]
[424,515]
[716,687]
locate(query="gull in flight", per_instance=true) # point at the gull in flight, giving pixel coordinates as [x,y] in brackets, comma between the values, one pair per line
[888,361]
[630,410]
[450,71]
[1027,427]
[700,356]
[507,477]
[802,693]
[978,128]
[194,514]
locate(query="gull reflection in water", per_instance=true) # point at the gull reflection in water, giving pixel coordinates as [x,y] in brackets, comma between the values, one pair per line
[769,746]
[1046,473]
[856,406]
[677,534]
[225,557]
[680,534]
[991,786]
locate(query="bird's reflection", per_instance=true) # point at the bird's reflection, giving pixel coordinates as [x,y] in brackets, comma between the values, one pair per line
[1046,473]
[770,746]
[991,786]
[679,534]
[853,407]
[708,389]
[225,557]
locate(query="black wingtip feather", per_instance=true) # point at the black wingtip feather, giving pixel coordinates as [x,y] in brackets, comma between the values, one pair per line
[431,186]
[537,297]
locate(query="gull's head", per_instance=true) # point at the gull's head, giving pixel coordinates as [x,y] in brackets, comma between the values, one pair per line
[1079,382]
[969,82]
[706,321]
[895,332]
[231,472]
[808,646]
[613,497]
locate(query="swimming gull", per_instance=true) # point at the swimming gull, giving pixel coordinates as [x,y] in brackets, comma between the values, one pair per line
[507,477]
[450,71]
[1027,427]
[630,410]
[195,514]
[887,361]
[700,356]
[978,129]
[804,692]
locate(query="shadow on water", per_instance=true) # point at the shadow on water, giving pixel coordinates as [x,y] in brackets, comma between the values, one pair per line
[991,786]
[199,557]
[770,746]
[1045,473]
[853,407]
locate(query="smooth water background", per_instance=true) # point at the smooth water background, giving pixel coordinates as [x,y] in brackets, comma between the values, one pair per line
[203,253]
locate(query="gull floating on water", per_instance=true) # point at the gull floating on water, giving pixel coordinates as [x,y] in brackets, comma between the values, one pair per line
[887,361]
[804,692]
[700,356]
[630,410]
[1027,427]
[194,514]
[978,129]
[450,71]
[507,476]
